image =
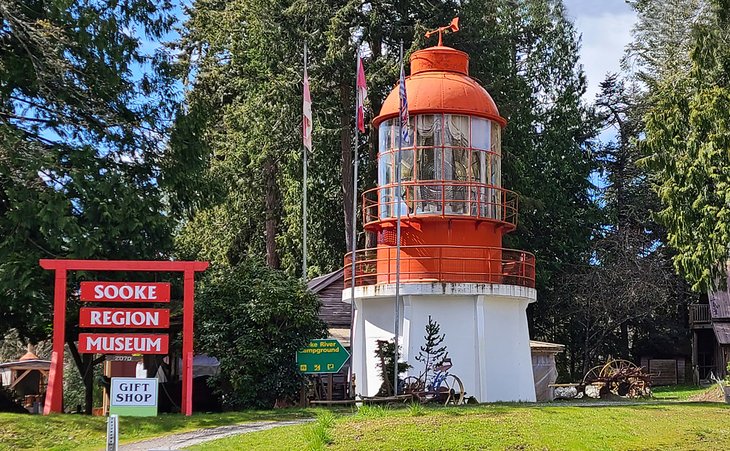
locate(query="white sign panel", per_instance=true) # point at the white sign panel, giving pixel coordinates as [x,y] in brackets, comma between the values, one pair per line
[133,396]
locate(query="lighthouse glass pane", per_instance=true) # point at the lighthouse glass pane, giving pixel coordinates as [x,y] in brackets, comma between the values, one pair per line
[479,159]
[480,133]
[406,165]
[496,135]
[428,130]
[427,162]
[385,177]
[456,130]
[388,135]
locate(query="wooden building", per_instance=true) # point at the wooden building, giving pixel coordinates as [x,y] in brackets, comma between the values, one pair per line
[710,324]
[27,378]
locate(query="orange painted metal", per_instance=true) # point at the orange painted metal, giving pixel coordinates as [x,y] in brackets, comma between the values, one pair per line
[421,263]
[439,83]
[455,200]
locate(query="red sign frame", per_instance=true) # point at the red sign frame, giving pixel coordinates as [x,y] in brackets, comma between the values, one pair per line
[125,291]
[54,393]
[129,318]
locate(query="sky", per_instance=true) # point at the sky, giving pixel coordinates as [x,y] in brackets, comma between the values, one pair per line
[605,28]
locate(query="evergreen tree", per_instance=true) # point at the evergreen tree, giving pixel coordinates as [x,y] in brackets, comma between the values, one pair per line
[432,354]
[687,129]
[83,109]
[82,113]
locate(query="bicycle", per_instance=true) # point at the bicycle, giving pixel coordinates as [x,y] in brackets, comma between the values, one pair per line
[441,386]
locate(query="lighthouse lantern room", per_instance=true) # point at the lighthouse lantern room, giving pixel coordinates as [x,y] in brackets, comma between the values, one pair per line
[453,212]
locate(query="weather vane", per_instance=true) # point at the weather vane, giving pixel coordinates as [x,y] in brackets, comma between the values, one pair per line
[452,27]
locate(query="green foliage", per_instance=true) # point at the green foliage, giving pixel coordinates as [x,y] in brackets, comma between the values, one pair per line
[687,137]
[372,411]
[79,144]
[385,353]
[319,434]
[416,409]
[432,354]
[254,319]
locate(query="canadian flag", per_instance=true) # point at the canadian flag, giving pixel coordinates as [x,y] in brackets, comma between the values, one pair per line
[362,93]
[307,113]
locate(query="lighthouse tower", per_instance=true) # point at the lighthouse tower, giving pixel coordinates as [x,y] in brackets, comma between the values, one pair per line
[453,212]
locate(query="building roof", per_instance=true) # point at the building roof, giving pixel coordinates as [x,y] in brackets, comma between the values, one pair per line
[328,288]
[27,365]
[722,332]
[321,282]
[719,304]
[544,346]
[29,356]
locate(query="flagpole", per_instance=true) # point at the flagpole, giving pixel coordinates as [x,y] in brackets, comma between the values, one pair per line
[398,163]
[353,236]
[304,193]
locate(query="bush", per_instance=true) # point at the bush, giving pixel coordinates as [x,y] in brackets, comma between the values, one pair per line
[254,319]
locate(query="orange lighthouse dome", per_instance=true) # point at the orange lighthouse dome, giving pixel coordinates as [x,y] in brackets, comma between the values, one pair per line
[440,82]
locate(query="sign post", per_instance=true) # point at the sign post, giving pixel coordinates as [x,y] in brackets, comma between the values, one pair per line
[322,356]
[112,433]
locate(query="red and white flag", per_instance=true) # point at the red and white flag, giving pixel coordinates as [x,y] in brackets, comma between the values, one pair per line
[307,113]
[362,93]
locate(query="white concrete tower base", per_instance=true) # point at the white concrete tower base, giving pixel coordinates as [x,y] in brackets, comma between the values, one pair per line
[485,326]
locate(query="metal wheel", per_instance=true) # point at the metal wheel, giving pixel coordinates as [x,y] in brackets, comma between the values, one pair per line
[413,385]
[453,388]
[614,366]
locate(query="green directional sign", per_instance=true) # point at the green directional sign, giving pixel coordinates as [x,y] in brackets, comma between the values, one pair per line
[322,356]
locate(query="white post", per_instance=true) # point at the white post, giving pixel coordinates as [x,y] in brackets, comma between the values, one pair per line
[304,195]
[353,237]
[399,197]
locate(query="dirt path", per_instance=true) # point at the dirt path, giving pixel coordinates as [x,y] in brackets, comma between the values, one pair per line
[186,439]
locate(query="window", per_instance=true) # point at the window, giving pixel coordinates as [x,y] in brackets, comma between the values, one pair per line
[456,130]
[456,160]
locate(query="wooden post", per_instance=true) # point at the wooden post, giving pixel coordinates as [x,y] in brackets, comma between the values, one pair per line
[54,394]
[695,358]
[186,407]
[330,381]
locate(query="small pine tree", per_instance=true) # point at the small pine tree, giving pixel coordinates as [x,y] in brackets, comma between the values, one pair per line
[384,352]
[432,354]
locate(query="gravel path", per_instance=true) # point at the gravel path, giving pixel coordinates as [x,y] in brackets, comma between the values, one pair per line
[186,439]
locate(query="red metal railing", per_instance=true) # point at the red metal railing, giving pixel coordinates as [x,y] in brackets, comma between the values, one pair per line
[440,198]
[471,264]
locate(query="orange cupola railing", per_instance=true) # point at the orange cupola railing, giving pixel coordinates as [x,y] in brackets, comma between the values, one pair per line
[452,206]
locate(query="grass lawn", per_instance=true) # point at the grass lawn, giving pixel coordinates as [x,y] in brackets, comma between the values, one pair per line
[80,432]
[679,392]
[663,426]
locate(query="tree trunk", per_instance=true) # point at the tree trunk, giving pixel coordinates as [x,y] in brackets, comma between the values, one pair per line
[625,351]
[85,366]
[88,378]
[347,161]
[272,200]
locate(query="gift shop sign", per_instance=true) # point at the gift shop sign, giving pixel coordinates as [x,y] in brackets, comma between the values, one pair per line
[125,292]
[133,397]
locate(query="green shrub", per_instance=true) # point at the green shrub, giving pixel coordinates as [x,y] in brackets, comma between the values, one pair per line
[254,319]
